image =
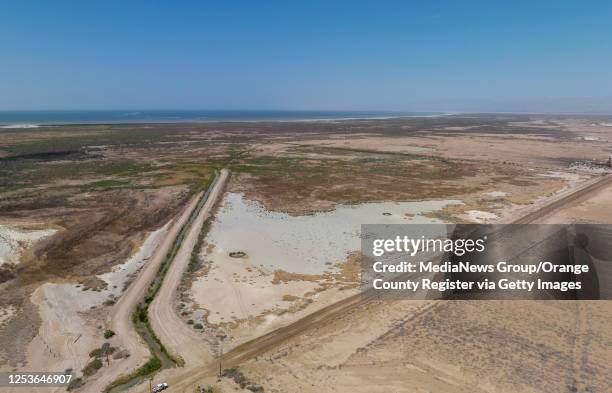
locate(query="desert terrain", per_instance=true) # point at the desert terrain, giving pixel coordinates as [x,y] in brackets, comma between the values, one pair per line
[454,346]
[221,233]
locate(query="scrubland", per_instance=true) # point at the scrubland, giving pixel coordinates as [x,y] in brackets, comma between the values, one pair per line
[99,191]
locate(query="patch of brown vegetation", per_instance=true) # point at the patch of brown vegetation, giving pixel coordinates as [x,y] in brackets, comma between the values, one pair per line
[93,283]
[101,230]
[320,185]
[350,270]
[281,276]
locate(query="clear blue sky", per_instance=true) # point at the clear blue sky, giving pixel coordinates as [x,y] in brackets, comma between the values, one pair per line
[405,55]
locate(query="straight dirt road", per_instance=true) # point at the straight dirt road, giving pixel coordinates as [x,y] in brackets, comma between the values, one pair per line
[562,201]
[121,317]
[179,338]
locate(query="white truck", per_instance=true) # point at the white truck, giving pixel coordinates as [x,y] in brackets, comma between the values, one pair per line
[159,387]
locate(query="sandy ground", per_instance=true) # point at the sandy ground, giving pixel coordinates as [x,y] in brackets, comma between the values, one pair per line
[282,277]
[235,291]
[14,240]
[73,319]
[408,346]
[554,203]
[445,377]
[272,241]
[70,327]
[487,346]
[542,151]
[242,303]
[480,217]
[455,347]
[66,336]
[596,208]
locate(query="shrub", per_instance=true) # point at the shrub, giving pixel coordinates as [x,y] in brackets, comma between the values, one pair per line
[198,326]
[75,383]
[121,354]
[141,313]
[92,367]
[108,333]
[242,380]
[153,364]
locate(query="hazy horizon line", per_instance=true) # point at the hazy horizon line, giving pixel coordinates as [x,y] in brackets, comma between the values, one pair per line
[204,109]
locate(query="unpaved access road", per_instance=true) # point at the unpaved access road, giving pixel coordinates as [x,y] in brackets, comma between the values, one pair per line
[179,338]
[184,380]
[121,317]
[565,199]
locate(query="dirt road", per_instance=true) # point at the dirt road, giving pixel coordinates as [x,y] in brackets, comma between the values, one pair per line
[179,338]
[562,200]
[121,317]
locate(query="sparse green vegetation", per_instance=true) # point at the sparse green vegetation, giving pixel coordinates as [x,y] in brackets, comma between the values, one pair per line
[242,380]
[75,383]
[92,367]
[108,334]
[195,262]
[105,350]
[206,389]
[152,365]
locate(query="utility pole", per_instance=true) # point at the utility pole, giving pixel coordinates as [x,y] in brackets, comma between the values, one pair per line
[150,384]
[220,337]
[220,357]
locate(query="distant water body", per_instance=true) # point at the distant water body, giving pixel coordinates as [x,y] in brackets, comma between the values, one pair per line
[29,119]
